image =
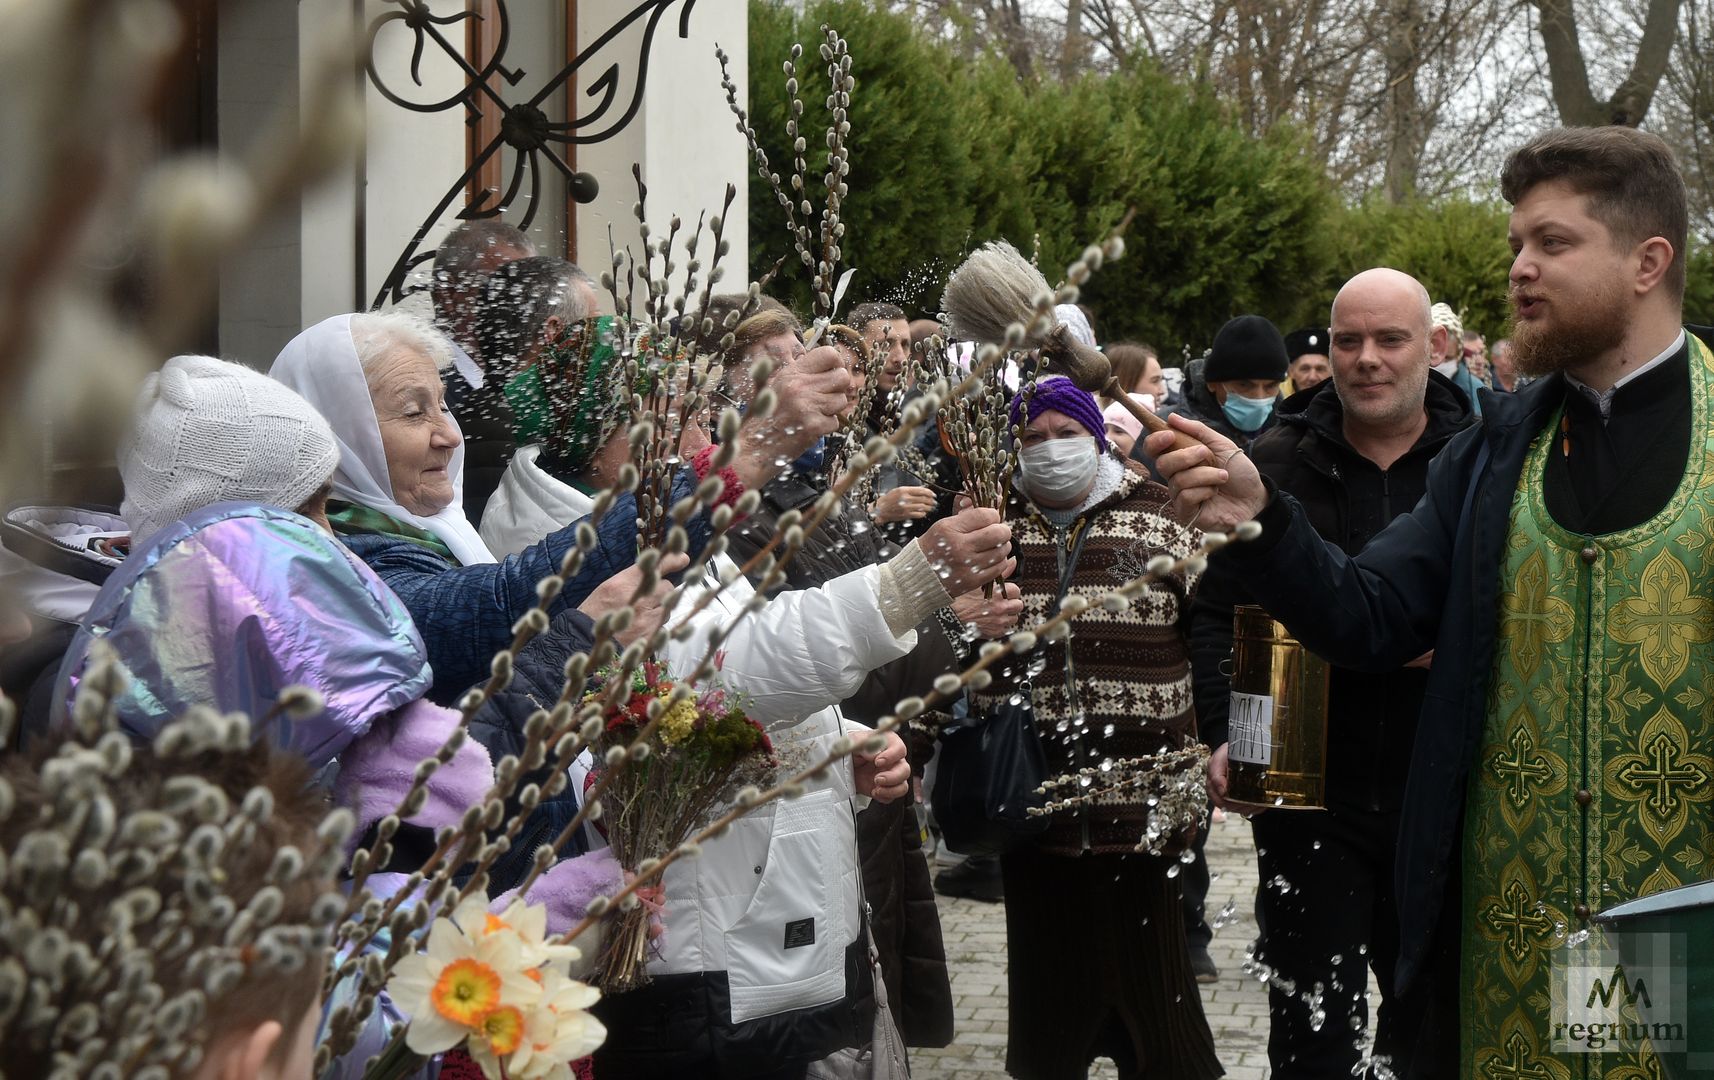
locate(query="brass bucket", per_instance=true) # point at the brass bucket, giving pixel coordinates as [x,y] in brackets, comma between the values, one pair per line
[1278,722]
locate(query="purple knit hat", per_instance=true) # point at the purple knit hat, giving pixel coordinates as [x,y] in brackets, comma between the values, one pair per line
[1060,394]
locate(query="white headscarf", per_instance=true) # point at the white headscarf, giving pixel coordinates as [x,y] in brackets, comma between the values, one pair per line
[1072,318]
[321,364]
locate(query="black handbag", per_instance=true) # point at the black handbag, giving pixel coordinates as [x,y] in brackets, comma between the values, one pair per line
[986,777]
[990,765]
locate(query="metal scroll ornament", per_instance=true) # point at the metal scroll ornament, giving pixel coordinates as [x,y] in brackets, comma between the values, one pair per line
[1278,734]
[524,125]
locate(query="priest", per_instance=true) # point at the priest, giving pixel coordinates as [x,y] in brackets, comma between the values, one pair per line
[1560,569]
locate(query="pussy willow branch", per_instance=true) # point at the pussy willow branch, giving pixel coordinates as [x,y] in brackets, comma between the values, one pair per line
[1138,773]
[611,279]
[437,903]
[471,703]
[1019,642]
[840,85]
[823,509]
[800,234]
[473,837]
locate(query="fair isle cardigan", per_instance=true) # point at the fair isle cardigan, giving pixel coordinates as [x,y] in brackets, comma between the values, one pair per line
[1129,670]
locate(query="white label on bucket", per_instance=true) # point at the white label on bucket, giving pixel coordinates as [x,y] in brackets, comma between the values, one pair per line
[1251,729]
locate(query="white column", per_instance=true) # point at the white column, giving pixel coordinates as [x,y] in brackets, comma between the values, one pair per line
[683,135]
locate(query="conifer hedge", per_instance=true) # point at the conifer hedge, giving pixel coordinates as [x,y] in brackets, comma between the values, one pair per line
[948,152]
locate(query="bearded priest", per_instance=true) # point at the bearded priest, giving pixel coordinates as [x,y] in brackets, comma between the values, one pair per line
[1560,568]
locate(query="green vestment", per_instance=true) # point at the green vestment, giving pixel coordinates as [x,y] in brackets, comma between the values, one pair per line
[1592,784]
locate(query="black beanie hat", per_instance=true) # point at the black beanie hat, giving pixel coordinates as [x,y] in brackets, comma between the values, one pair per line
[1311,339]
[1248,347]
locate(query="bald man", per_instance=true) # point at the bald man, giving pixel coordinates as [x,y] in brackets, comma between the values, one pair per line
[1559,567]
[1354,453]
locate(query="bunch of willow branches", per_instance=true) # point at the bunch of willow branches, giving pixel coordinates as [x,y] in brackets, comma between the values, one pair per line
[817,243]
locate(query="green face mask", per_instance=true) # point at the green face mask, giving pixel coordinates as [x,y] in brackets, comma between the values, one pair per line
[566,399]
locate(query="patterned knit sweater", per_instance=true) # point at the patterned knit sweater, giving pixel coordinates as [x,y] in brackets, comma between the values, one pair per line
[1129,671]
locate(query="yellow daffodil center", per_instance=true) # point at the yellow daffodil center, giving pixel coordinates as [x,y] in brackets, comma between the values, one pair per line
[504,1029]
[466,992]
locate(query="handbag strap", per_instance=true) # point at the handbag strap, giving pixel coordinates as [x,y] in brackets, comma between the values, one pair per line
[1027,685]
[1071,565]
[1065,587]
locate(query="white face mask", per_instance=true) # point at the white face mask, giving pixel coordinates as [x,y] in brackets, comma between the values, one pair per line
[1058,471]
[1448,369]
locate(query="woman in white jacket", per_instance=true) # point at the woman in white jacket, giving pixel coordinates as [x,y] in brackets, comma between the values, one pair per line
[764,968]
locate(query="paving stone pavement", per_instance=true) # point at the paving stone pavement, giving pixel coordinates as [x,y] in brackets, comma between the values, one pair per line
[1237,1005]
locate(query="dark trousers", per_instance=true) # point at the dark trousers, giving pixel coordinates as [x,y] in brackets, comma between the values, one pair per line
[1326,902]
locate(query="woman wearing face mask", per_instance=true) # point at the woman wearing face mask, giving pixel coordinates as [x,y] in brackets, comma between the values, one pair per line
[1097,961]
[1234,388]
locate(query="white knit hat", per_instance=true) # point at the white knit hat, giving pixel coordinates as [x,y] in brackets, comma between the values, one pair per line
[1443,315]
[207,431]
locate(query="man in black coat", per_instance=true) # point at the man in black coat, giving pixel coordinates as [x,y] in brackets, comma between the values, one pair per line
[1235,387]
[1354,452]
[1598,230]
[462,264]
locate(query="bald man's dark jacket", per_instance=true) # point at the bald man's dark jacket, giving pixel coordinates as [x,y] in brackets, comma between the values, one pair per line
[1372,716]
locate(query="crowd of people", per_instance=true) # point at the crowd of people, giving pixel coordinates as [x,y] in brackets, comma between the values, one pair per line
[1471,536]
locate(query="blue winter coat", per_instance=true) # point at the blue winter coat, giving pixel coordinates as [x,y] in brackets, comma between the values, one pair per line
[465,613]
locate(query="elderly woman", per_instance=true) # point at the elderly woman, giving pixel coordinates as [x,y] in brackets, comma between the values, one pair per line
[1097,962]
[396,492]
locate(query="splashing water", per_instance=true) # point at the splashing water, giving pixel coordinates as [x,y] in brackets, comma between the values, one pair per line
[1226,915]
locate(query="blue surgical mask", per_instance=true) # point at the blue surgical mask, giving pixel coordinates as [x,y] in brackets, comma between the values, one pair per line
[1247,413]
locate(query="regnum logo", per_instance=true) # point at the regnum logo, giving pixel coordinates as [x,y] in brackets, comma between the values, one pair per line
[1618,986]
[1602,1004]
